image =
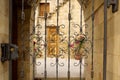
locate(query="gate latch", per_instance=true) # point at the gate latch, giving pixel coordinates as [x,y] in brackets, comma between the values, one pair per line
[114,4]
[8,52]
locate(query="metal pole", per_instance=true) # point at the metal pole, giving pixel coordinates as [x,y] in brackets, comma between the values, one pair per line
[105,41]
[10,37]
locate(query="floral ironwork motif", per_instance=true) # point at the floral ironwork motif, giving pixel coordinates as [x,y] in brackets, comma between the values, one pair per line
[78,44]
[37,40]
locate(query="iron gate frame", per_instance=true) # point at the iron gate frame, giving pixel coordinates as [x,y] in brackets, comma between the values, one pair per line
[105,40]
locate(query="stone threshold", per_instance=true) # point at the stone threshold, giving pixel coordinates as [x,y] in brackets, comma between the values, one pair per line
[59,79]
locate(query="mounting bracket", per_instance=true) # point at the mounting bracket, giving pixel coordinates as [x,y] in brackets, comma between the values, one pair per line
[114,4]
[8,52]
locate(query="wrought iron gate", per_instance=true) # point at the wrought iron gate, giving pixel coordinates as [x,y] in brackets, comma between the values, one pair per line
[78,44]
[74,47]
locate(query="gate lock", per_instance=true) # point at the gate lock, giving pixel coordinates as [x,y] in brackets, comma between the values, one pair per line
[114,4]
[8,52]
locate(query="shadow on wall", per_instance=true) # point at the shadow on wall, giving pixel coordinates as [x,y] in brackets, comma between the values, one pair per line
[111,46]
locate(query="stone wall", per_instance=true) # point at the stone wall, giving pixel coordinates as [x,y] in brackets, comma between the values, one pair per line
[98,39]
[113,47]
[4,35]
[113,40]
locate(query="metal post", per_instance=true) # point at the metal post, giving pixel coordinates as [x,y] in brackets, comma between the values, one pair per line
[10,37]
[105,41]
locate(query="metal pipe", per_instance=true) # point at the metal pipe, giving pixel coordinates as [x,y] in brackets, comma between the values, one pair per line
[105,41]
[10,37]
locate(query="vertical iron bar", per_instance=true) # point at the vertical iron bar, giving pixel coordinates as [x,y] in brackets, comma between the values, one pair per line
[34,61]
[10,37]
[105,41]
[81,18]
[57,16]
[69,15]
[45,72]
[80,69]
[34,57]
[56,67]
[57,29]
[92,56]
[81,32]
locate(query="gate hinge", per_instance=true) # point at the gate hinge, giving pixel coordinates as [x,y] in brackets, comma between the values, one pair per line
[9,52]
[114,4]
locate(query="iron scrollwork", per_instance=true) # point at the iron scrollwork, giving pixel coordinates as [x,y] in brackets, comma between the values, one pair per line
[39,45]
[75,42]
